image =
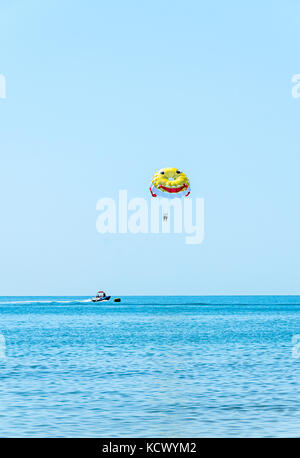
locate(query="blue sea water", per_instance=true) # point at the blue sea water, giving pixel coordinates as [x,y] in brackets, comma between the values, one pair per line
[150,367]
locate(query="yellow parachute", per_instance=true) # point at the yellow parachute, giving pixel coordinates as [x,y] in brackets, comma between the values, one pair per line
[170,182]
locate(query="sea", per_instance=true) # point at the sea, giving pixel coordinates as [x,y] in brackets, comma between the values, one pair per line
[196,366]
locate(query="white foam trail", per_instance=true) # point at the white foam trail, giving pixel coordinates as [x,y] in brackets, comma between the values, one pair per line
[74,301]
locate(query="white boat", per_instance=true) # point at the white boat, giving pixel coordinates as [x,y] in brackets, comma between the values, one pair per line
[100,297]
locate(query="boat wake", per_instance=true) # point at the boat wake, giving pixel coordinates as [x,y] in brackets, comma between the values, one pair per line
[48,302]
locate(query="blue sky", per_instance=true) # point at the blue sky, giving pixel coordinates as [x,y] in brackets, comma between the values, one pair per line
[102,94]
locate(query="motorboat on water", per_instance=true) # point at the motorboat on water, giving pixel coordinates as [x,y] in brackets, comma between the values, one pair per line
[100,297]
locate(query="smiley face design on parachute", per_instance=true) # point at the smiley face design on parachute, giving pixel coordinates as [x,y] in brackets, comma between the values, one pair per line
[170,182]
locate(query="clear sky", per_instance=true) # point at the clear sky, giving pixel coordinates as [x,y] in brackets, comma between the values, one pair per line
[101,94]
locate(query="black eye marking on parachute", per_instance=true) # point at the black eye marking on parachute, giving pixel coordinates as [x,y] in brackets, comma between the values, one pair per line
[162,173]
